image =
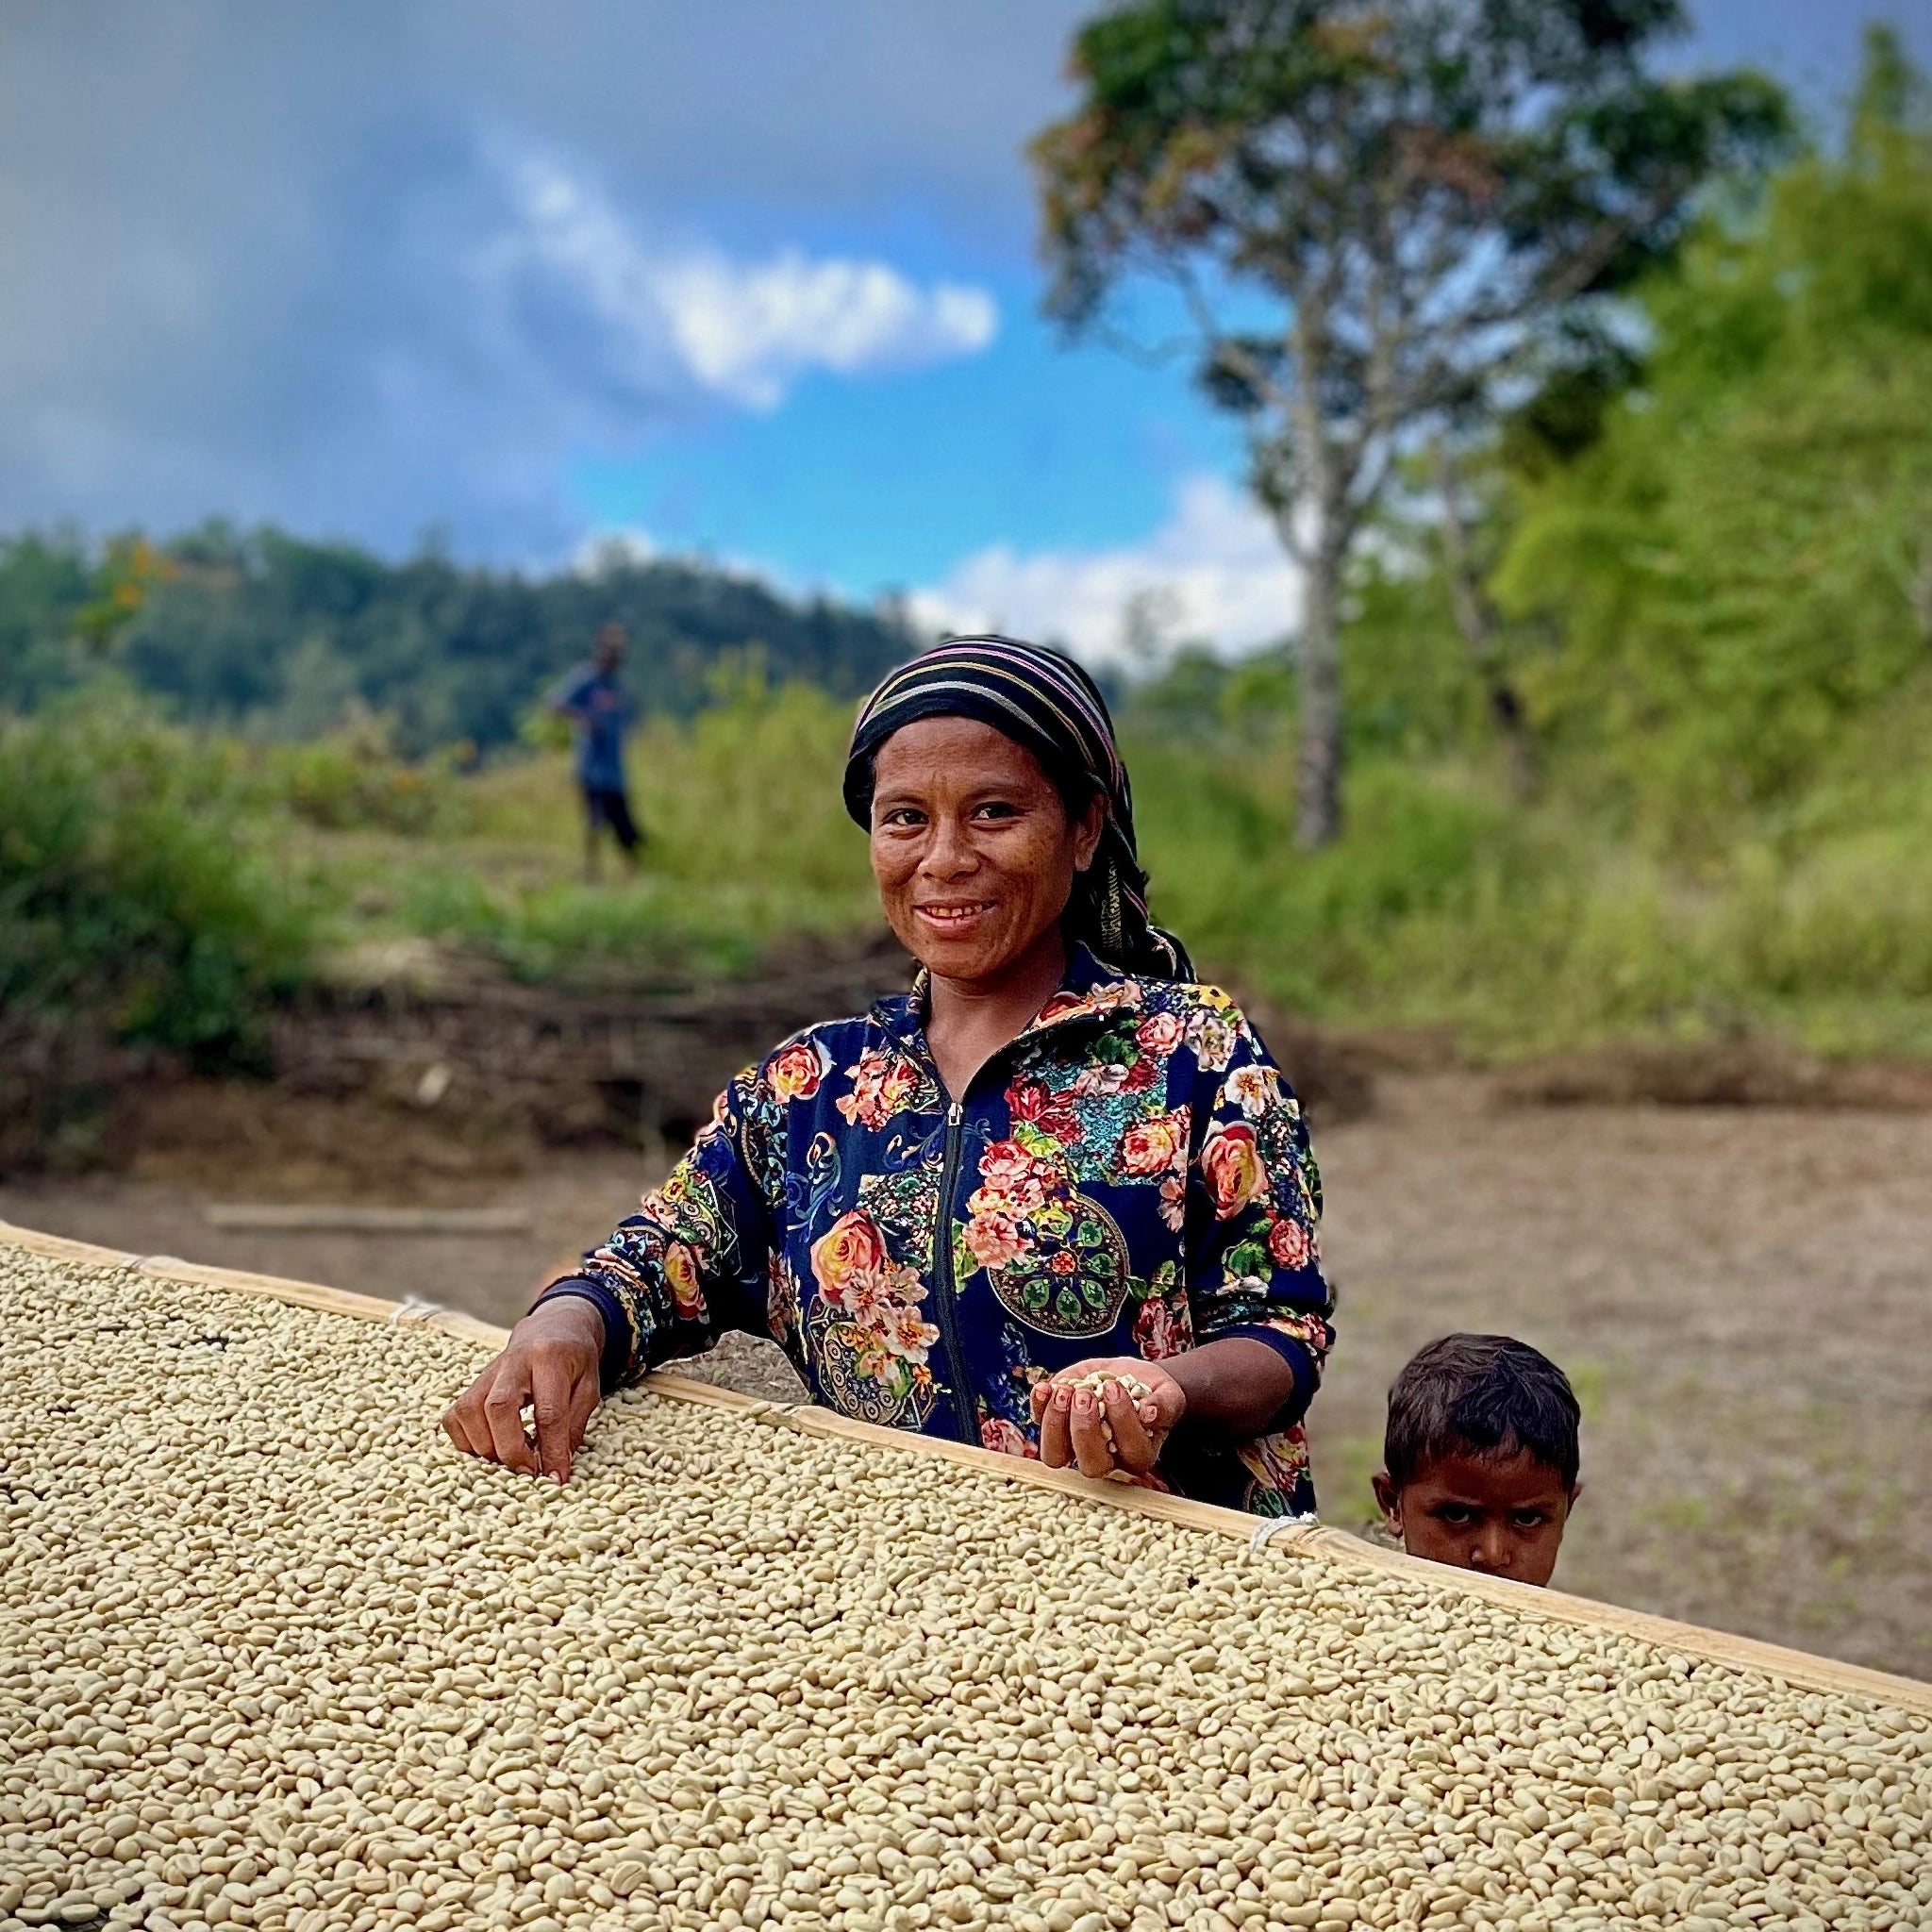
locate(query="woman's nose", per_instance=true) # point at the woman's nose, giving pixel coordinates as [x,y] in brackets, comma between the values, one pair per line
[949,852]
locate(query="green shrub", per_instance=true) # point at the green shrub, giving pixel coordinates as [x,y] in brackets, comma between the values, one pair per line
[629,936]
[1538,929]
[135,879]
[747,796]
[354,779]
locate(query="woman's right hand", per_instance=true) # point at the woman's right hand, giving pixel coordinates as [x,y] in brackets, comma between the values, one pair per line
[1069,1416]
[551,1367]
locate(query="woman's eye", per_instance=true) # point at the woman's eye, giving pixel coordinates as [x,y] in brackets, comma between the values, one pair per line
[998,811]
[900,817]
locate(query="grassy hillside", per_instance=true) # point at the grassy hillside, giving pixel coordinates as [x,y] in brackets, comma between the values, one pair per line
[187,903]
[1644,758]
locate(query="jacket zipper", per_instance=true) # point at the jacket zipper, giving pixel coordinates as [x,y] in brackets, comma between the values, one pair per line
[965,1404]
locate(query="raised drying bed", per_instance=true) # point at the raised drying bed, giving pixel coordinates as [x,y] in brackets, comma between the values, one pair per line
[272,1652]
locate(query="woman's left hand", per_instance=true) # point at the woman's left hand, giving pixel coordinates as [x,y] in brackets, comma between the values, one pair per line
[1069,1417]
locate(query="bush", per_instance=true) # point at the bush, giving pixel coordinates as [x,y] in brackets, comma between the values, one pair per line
[354,779]
[747,796]
[1542,929]
[136,886]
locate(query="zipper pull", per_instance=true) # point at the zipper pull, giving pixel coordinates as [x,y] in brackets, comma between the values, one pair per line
[955,1113]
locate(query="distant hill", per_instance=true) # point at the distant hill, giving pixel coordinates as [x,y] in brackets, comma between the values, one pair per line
[271,634]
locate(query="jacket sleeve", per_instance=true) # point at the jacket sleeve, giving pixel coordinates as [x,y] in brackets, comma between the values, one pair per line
[694,1261]
[1253,1198]
[567,693]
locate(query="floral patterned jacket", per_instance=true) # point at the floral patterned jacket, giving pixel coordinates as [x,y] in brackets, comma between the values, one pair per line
[1130,1175]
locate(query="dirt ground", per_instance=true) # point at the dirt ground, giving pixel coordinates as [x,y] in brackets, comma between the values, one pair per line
[1744,1297]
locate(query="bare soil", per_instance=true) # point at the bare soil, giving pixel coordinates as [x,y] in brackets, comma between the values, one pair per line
[416,1070]
[1744,1297]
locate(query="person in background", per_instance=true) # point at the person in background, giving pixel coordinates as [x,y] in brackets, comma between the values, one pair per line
[1480,1456]
[600,711]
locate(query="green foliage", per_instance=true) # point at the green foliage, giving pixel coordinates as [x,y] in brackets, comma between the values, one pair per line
[354,779]
[1444,903]
[749,790]
[1742,567]
[285,639]
[44,584]
[1199,698]
[1406,678]
[748,843]
[129,570]
[1425,851]
[134,883]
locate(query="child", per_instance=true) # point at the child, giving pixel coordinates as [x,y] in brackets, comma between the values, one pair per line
[1480,1456]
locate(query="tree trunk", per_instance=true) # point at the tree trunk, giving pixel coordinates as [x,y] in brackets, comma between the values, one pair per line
[1318,687]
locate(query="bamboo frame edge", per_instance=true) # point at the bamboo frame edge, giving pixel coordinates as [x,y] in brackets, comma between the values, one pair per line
[1801,1669]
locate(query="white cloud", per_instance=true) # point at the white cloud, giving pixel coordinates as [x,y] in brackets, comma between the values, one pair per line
[1214,572]
[748,331]
[742,331]
[629,547]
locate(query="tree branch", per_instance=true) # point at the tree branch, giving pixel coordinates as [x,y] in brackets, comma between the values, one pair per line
[1248,366]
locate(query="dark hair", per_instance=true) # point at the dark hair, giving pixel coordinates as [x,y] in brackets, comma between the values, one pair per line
[1480,1395]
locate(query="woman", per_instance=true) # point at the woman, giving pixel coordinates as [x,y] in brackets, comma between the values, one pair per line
[1057,1159]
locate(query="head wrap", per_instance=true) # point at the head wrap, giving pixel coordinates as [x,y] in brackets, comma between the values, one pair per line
[1044,701]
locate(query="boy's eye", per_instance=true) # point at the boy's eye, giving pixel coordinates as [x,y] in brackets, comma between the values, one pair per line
[1457,1513]
[1530,1519]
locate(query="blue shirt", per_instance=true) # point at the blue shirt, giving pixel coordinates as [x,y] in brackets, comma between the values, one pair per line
[1130,1175]
[601,710]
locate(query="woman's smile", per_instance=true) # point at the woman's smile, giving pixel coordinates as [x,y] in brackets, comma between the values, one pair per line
[954,917]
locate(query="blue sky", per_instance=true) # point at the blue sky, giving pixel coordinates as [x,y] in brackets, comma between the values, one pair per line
[754,279]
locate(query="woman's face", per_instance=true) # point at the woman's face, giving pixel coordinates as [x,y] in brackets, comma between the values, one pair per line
[972,847]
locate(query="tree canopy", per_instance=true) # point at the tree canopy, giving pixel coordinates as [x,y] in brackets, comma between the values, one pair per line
[1373,216]
[1738,569]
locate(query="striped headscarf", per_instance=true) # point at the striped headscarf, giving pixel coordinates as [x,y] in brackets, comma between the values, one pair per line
[1044,701]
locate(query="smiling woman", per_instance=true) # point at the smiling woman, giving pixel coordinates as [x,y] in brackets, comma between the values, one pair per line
[1057,1201]
[976,855]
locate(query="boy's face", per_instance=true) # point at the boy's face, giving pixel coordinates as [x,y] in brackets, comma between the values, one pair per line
[1500,1514]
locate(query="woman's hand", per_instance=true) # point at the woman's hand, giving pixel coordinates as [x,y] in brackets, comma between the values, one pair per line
[549,1368]
[1069,1417]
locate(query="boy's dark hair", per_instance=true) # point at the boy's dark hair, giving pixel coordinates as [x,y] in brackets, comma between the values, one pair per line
[1480,1396]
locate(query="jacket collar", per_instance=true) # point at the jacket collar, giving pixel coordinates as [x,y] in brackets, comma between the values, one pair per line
[902,1015]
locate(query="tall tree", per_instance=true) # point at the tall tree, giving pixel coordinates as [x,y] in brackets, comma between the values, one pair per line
[1375,213]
